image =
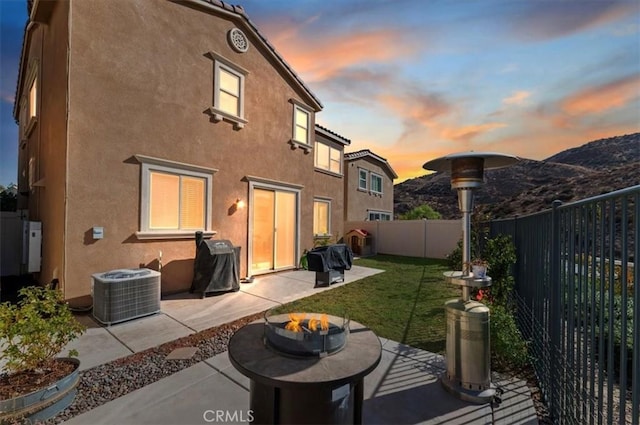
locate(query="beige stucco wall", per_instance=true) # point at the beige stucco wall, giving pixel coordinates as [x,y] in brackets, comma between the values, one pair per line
[411,238]
[358,202]
[140,82]
[47,47]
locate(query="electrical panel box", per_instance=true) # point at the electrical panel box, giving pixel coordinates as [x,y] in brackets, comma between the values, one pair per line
[32,246]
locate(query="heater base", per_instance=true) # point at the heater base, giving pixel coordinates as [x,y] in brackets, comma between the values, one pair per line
[477,397]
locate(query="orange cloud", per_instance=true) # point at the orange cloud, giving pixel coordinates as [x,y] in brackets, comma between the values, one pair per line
[320,57]
[427,119]
[602,98]
[516,98]
[468,132]
[421,107]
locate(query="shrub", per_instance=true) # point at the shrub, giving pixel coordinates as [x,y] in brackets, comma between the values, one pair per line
[500,253]
[35,330]
[591,312]
[508,347]
[420,212]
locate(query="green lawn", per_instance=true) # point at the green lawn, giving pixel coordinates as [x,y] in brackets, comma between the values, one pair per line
[405,303]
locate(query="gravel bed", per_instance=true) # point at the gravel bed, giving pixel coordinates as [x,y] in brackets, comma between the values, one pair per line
[109,381]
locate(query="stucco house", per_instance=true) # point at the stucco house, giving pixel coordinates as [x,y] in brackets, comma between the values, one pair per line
[144,121]
[368,187]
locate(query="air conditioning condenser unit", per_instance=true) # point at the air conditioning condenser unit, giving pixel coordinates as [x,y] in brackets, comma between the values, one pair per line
[125,294]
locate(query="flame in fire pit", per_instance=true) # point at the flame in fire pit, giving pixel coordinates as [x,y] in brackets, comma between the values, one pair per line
[313,324]
[295,323]
[324,322]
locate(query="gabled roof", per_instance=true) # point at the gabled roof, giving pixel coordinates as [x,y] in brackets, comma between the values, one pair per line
[216,6]
[332,135]
[239,13]
[359,232]
[351,156]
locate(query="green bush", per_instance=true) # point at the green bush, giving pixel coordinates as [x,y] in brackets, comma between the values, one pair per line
[591,312]
[508,347]
[454,259]
[420,212]
[35,330]
[500,253]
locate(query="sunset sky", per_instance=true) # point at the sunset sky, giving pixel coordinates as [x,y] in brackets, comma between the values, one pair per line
[416,79]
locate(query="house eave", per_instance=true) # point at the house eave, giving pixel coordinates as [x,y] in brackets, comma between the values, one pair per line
[332,135]
[41,11]
[27,34]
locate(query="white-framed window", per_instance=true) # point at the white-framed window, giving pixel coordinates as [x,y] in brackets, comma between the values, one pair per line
[175,199]
[328,158]
[363,179]
[376,183]
[29,102]
[228,91]
[321,217]
[301,126]
[379,215]
[33,98]
[229,88]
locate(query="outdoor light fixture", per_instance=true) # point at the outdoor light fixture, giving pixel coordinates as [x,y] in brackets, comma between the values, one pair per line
[468,355]
[239,204]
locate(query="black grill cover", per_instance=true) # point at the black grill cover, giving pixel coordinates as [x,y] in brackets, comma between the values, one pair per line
[331,257]
[216,267]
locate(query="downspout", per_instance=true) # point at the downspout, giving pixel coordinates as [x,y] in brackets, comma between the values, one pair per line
[66,153]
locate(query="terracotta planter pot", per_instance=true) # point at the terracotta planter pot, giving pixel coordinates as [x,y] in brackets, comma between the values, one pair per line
[45,403]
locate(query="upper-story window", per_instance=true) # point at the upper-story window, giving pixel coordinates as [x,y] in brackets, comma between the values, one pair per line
[302,126]
[33,98]
[363,177]
[29,102]
[175,199]
[228,91]
[328,158]
[376,183]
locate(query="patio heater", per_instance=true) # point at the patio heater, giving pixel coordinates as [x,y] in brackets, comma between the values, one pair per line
[468,355]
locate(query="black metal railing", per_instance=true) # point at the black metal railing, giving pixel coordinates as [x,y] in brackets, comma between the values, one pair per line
[579,305]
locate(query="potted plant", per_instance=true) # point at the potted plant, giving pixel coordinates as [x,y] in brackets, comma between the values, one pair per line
[479,268]
[36,384]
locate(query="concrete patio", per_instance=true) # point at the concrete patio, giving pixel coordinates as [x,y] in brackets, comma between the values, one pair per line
[403,389]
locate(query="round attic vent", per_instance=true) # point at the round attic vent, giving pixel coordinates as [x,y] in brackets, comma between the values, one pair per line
[238,40]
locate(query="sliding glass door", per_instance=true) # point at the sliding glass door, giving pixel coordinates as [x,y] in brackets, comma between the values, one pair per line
[274,229]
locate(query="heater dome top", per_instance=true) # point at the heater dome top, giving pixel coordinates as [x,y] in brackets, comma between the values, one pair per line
[491,160]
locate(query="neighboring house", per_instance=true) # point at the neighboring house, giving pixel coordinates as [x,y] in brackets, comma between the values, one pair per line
[151,120]
[368,187]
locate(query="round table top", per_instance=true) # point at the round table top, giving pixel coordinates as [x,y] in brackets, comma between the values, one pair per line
[248,354]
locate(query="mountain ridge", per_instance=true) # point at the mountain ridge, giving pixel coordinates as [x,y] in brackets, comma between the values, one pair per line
[594,168]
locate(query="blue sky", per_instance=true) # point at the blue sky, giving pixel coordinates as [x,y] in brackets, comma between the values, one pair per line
[416,79]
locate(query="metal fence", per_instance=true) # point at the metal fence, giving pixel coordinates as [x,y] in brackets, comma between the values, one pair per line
[579,306]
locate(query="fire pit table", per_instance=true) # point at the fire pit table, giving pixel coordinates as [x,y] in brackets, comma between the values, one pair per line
[309,388]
